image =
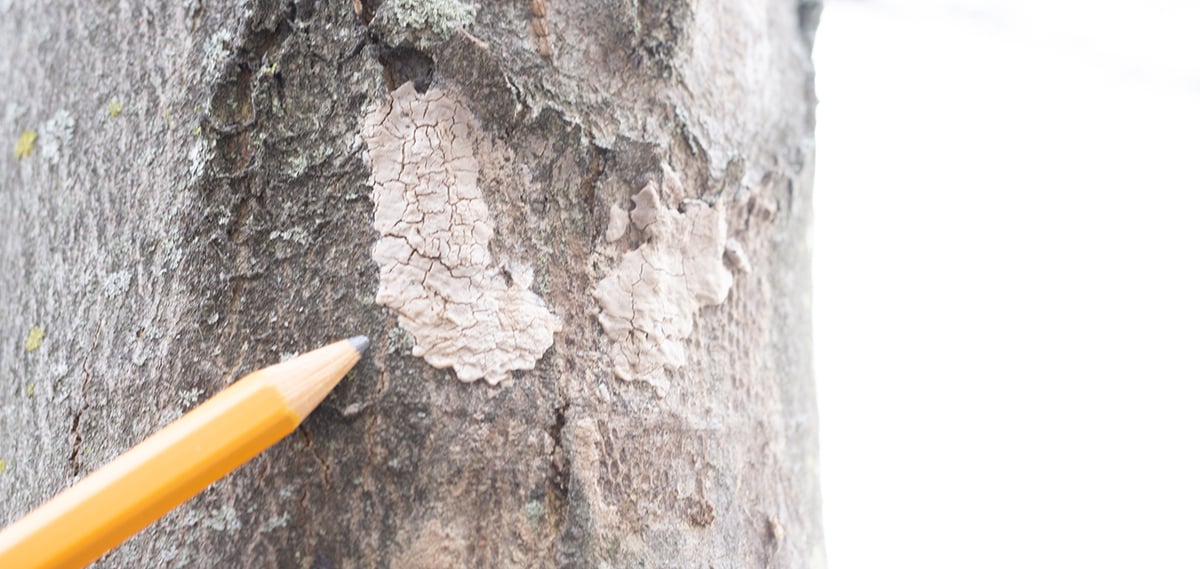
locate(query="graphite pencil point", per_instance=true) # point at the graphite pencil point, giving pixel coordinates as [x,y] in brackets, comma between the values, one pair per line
[360,343]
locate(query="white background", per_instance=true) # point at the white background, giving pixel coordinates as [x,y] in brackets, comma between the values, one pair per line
[1007,283]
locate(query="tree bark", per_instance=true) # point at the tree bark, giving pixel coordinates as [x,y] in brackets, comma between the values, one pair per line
[206,193]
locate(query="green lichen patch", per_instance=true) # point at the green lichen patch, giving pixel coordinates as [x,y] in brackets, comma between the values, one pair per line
[274,523]
[535,512]
[114,108]
[269,70]
[3,465]
[25,144]
[33,341]
[421,22]
[29,389]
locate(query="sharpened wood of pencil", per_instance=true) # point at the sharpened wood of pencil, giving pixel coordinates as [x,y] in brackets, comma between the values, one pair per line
[122,497]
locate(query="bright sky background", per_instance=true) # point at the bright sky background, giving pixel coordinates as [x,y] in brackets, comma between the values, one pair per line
[1007,283]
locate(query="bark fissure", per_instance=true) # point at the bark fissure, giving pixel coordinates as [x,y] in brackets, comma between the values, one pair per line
[77,443]
[306,436]
[559,478]
[76,433]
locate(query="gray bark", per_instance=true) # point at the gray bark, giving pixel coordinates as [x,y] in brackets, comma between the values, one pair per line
[196,205]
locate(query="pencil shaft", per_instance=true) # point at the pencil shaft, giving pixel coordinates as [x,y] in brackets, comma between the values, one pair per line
[115,502]
[150,479]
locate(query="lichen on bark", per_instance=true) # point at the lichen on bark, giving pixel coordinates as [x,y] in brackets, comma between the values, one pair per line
[420,23]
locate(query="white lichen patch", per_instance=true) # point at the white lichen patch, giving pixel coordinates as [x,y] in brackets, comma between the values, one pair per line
[275,522]
[435,269]
[649,302]
[199,154]
[117,284]
[217,49]
[56,133]
[189,398]
[297,234]
[225,519]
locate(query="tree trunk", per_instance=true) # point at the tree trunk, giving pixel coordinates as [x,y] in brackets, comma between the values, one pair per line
[576,232]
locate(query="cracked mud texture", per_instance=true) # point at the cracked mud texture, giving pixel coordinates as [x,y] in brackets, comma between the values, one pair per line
[223,219]
[435,269]
[650,300]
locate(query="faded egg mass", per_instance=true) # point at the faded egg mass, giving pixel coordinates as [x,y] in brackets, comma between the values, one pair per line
[649,302]
[463,308]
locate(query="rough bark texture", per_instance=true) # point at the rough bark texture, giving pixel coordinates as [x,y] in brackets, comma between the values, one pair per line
[196,205]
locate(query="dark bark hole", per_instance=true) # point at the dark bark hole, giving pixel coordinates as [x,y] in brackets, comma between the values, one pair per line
[302,11]
[405,64]
[233,104]
[234,152]
[562,473]
[558,487]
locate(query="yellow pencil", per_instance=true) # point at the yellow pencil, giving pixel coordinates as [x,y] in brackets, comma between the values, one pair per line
[116,501]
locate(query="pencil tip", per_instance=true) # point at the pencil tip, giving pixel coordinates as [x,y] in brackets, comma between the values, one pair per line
[360,343]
